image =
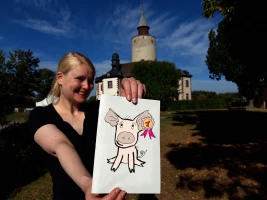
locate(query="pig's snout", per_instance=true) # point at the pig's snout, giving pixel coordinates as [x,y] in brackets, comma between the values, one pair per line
[126,137]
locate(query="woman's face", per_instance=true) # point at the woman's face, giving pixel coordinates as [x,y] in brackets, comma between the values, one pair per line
[77,84]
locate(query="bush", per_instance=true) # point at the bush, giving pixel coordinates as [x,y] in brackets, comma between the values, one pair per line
[19,158]
[199,104]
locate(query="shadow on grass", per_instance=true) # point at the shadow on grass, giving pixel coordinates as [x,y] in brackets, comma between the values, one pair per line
[20,163]
[233,141]
[183,118]
[147,197]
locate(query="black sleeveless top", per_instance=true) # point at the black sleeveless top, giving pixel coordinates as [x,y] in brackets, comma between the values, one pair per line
[63,186]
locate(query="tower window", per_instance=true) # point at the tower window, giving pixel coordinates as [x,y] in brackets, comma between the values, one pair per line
[152,41]
[109,84]
[186,83]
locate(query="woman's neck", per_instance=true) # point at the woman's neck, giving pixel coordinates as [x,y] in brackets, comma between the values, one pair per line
[65,107]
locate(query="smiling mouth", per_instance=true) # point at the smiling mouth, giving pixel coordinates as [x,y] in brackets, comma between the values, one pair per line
[82,93]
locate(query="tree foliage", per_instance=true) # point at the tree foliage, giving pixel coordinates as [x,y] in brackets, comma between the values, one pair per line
[6,107]
[235,50]
[21,81]
[21,66]
[225,7]
[160,78]
[91,99]
[201,95]
[44,81]
[207,95]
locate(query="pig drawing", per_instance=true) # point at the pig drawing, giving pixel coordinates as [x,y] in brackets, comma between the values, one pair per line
[126,137]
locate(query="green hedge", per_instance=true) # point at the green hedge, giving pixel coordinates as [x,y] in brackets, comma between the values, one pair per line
[19,156]
[199,104]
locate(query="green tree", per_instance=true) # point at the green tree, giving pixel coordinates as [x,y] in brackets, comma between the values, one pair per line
[6,107]
[225,7]
[160,78]
[200,95]
[44,81]
[235,50]
[21,66]
[228,96]
[92,98]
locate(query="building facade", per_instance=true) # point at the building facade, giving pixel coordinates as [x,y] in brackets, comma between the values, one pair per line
[109,83]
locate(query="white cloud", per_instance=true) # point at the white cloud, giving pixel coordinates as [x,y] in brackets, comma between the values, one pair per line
[42,26]
[42,4]
[221,86]
[160,23]
[120,26]
[187,45]
[61,25]
[189,38]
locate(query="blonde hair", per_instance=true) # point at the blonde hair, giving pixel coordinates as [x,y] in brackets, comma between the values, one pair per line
[67,63]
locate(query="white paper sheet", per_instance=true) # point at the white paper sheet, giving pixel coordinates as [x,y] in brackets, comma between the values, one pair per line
[136,130]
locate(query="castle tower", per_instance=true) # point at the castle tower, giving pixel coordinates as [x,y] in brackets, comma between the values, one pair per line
[143,45]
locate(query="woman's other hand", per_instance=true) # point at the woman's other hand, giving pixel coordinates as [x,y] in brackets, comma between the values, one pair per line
[132,89]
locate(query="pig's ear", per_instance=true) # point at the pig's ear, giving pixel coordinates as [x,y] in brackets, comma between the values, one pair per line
[112,118]
[139,118]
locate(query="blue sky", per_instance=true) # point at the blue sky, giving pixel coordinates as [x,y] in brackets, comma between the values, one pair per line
[51,28]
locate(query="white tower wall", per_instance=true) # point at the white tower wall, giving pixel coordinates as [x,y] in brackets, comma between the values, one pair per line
[143,48]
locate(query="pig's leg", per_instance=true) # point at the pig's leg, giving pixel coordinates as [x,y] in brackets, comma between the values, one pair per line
[117,162]
[131,162]
[136,160]
[111,160]
[139,163]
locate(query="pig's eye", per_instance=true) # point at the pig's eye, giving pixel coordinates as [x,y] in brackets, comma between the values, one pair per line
[121,125]
[132,126]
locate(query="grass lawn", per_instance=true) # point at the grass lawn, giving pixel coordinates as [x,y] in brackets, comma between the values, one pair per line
[215,155]
[18,116]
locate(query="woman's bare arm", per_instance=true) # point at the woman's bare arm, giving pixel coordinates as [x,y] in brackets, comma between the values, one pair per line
[54,142]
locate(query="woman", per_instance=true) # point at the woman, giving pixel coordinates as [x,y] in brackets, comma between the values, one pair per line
[66,129]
